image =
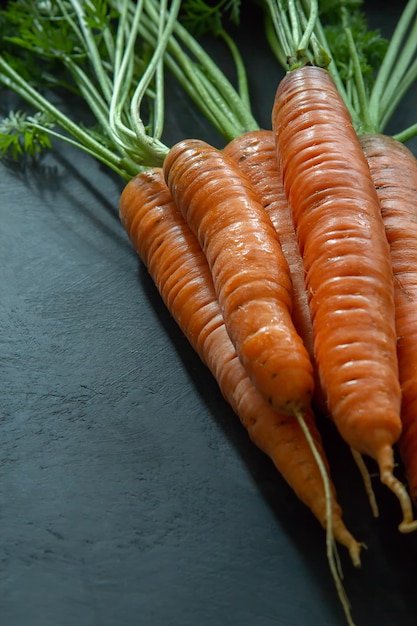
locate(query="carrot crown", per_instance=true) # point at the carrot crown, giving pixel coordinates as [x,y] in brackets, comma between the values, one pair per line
[295,34]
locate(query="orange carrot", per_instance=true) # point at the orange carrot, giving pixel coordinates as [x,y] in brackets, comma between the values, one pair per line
[255,154]
[180,271]
[250,274]
[349,276]
[394,172]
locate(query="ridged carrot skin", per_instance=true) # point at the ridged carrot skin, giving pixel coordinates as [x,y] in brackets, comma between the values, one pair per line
[180,271]
[346,255]
[394,172]
[255,154]
[250,274]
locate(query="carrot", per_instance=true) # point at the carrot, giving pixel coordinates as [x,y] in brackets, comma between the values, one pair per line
[180,271]
[349,277]
[250,274]
[394,171]
[255,154]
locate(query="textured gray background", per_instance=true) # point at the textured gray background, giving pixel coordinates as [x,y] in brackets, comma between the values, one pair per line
[129,493]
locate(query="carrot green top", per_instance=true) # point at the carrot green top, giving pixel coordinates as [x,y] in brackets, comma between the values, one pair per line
[112,55]
[371,73]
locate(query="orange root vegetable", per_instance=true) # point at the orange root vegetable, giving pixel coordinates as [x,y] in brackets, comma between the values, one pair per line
[250,274]
[180,271]
[394,172]
[349,276]
[255,154]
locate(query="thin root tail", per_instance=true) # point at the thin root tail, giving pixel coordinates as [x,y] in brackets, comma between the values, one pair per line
[354,548]
[408,524]
[366,481]
[345,537]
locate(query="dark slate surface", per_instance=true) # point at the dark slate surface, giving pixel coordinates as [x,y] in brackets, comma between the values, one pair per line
[130,495]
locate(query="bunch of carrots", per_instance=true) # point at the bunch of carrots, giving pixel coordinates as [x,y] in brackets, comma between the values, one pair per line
[288,258]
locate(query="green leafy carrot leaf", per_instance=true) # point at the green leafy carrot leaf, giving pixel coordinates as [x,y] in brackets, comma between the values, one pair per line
[51,31]
[35,42]
[99,14]
[40,27]
[200,17]
[370,46]
[21,134]
[330,11]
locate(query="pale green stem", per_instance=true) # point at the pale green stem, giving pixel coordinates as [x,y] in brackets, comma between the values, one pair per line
[406,134]
[202,87]
[228,126]
[361,103]
[125,171]
[295,22]
[159,108]
[93,53]
[273,42]
[242,78]
[16,83]
[122,28]
[122,77]
[282,29]
[155,147]
[185,79]
[202,91]
[110,45]
[402,63]
[386,69]
[89,92]
[71,22]
[289,28]
[214,73]
[407,81]
[331,67]
[311,23]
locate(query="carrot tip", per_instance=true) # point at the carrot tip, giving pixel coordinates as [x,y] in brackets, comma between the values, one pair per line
[407,527]
[355,553]
[344,537]
[408,524]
